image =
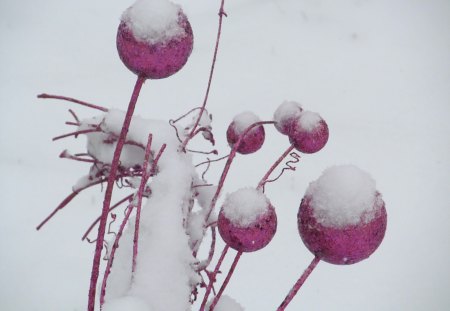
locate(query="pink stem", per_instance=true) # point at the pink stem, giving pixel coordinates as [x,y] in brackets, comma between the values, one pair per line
[76,133]
[274,166]
[73,100]
[140,194]
[211,161]
[113,252]
[211,73]
[211,251]
[213,277]
[298,284]
[228,164]
[108,193]
[130,208]
[225,283]
[67,201]
[66,155]
[185,115]
[127,198]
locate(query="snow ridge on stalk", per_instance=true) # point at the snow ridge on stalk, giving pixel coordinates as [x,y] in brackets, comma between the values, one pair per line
[164,275]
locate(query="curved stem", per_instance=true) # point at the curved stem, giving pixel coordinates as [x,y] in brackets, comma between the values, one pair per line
[228,164]
[298,284]
[274,166]
[127,198]
[108,193]
[73,100]
[213,277]
[211,73]
[225,283]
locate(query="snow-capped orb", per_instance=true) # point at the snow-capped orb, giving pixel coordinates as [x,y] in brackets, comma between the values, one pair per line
[154,39]
[342,218]
[286,115]
[226,303]
[310,133]
[247,221]
[253,140]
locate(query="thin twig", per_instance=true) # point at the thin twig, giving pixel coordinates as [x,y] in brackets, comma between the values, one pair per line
[73,100]
[211,73]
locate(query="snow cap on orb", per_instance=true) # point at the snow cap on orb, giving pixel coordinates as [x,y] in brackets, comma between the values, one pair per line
[154,39]
[247,220]
[342,218]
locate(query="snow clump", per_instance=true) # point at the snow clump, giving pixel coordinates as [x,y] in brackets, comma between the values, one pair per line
[343,195]
[244,206]
[287,113]
[309,120]
[226,303]
[153,21]
[126,303]
[244,120]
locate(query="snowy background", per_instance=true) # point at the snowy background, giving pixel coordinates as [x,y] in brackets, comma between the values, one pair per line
[377,71]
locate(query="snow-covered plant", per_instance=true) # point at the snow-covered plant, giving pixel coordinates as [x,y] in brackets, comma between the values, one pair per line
[166,218]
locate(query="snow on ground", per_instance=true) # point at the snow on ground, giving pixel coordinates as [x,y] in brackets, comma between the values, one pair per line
[377,71]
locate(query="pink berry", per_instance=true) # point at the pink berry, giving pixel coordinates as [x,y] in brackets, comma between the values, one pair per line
[155,60]
[245,230]
[342,218]
[253,140]
[251,238]
[286,116]
[310,133]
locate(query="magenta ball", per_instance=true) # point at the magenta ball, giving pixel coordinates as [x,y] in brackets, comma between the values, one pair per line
[341,246]
[250,143]
[252,237]
[309,141]
[155,61]
[287,125]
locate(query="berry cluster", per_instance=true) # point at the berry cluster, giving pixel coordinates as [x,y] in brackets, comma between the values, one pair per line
[342,217]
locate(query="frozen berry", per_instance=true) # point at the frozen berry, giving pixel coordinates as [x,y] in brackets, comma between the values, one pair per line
[247,221]
[253,140]
[154,39]
[310,133]
[286,116]
[342,218]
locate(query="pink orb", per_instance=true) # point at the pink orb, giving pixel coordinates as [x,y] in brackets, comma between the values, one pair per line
[159,60]
[286,115]
[252,237]
[250,143]
[341,246]
[287,125]
[309,141]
